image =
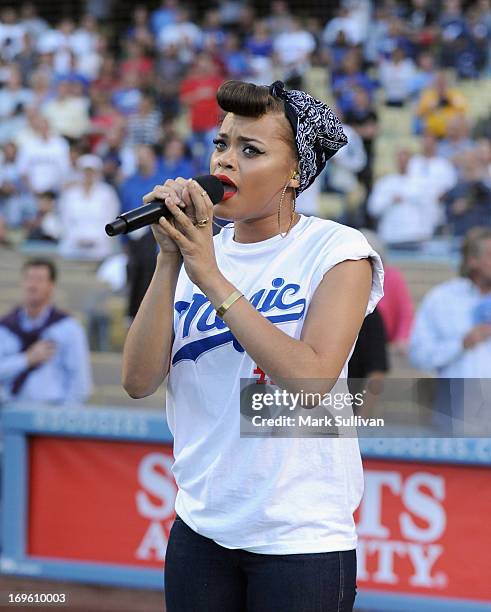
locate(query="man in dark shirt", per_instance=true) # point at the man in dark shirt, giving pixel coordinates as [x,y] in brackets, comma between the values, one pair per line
[369,362]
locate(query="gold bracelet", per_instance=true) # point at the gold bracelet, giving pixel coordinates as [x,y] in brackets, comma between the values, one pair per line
[232,298]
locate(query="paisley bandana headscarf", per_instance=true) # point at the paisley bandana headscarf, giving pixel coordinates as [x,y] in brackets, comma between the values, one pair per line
[318,132]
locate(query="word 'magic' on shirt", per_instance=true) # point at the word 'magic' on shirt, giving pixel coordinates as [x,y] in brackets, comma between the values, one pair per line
[204,318]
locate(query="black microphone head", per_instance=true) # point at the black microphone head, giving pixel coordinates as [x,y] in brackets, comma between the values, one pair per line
[212,186]
[118,226]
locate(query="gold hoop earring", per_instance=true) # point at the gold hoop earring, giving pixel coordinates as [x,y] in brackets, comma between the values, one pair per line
[292,213]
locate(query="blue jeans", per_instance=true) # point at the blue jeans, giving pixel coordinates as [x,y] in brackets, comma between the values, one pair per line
[202,576]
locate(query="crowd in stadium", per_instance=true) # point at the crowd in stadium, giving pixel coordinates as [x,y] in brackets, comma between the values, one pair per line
[81,105]
[94,112]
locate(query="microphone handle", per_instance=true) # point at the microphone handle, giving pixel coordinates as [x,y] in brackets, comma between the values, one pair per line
[138,217]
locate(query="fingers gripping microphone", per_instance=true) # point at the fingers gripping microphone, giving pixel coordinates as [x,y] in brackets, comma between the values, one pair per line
[151,212]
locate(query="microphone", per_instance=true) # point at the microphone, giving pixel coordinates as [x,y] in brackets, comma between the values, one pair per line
[151,212]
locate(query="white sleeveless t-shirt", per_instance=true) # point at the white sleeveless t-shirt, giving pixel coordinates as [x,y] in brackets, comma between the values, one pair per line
[265,495]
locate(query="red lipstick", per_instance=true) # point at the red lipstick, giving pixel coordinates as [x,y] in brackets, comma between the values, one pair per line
[229,185]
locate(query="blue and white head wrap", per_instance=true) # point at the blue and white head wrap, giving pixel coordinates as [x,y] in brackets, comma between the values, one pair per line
[318,131]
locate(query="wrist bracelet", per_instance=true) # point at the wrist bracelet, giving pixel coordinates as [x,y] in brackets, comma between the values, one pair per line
[232,298]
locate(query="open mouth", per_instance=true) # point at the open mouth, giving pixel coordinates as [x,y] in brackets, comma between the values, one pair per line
[229,187]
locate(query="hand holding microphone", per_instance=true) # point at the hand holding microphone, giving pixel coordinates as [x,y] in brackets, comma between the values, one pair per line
[171,191]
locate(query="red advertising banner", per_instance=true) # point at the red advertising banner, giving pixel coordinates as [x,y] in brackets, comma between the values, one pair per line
[98,500]
[423,528]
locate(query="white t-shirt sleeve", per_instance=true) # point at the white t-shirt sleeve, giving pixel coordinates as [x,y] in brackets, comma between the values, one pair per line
[350,244]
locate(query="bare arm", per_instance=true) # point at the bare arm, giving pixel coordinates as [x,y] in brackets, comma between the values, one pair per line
[333,321]
[146,353]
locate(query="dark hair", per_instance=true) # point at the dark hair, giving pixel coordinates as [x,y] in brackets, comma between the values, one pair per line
[41,262]
[471,247]
[249,100]
[46,194]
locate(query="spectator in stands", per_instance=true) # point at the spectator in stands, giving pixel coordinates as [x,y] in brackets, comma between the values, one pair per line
[293,49]
[439,104]
[145,126]
[26,60]
[137,60]
[44,356]
[103,117]
[163,16]
[259,47]
[478,43]
[469,202]
[279,18]
[40,85]
[176,160]
[68,114]
[377,33]
[170,72]
[396,78]
[424,75]
[127,96]
[397,37]
[118,159]
[260,42]
[369,361]
[420,20]
[364,119]
[31,21]
[107,78]
[44,158]
[342,177]
[85,209]
[396,306]
[483,151]
[140,30]
[235,58]
[184,33]
[457,141]
[16,205]
[398,201]
[452,330]
[436,174]
[140,244]
[198,93]
[453,29]
[11,34]
[45,226]
[347,22]
[85,38]
[351,77]
[13,95]
[213,32]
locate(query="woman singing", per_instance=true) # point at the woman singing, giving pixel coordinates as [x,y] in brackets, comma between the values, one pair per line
[263,524]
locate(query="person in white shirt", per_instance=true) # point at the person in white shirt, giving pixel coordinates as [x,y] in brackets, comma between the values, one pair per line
[347,23]
[277,297]
[452,329]
[396,78]
[400,204]
[85,209]
[438,172]
[449,335]
[13,95]
[44,158]
[11,34]
[293,49]
[184,33]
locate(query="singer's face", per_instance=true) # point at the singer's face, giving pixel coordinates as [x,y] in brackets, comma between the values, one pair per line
[256,156]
